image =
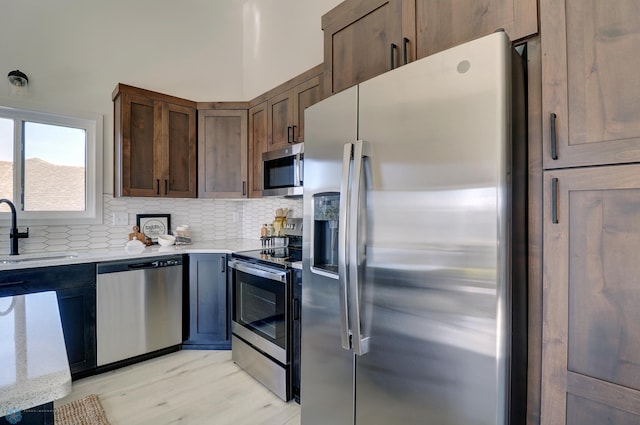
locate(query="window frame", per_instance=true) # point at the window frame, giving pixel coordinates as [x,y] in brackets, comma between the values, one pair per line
[92,124]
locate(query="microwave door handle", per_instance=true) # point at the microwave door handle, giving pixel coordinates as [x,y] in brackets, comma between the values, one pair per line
[342,246]
[298,170]
[357,234]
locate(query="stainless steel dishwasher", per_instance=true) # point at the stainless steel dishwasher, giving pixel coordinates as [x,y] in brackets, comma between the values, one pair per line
[139,307]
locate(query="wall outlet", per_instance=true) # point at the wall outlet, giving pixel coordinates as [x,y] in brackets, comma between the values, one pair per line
[120,218]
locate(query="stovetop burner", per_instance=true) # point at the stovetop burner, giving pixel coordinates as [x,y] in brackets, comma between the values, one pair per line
[280,256]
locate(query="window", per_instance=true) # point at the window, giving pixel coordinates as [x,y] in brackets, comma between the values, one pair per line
[49,167]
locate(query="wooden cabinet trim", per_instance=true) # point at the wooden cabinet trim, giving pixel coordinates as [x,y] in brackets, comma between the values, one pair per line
[123,88]
[288,85]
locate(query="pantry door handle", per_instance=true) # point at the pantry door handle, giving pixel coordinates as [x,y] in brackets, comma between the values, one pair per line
[554,200]
[554,142]
[393,55]
[405,48]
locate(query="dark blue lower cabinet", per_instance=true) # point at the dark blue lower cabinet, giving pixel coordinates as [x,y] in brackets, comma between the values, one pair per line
[78,315]
[39,415]
[208,303]
[75,286]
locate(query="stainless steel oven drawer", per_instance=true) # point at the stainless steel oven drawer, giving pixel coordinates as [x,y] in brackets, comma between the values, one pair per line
[271,374]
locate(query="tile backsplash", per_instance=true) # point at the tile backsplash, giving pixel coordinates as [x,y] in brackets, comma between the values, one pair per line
[209,219]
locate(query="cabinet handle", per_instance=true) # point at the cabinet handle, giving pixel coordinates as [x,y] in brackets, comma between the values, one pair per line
[289,135]
[223,264]
[17,282]
[554,200]
[244,188]
[294,134]
[405,50]
[166,186]
[554,152]
[158,186]
[393,55]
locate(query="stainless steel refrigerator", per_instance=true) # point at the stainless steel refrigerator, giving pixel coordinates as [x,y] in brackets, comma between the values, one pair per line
[414,276]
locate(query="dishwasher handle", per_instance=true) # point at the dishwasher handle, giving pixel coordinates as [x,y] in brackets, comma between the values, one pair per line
[124,266]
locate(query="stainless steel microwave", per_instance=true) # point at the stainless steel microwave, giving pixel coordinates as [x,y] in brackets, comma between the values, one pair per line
[283,171]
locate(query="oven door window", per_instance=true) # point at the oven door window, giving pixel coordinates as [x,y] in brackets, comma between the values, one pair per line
[259,305]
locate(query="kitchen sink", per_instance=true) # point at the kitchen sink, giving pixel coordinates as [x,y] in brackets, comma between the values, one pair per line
[43,256]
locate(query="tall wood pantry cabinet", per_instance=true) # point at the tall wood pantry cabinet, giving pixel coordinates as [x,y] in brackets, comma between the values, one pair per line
[365,38]
[154,144]
[591,207]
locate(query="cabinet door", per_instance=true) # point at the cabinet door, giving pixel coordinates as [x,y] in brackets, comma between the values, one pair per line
[442,24]
[222,157]
[590,82]
[178,176]
[591,343]
[78,315]
[139,156]
[362,39]
[280,120]
[304,95]
[208,301]
[258,129]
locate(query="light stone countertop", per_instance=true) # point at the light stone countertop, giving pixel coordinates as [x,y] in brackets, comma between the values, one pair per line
[33,356]
[40,259]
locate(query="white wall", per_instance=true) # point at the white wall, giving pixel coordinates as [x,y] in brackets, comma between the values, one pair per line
[76,51]
[282,38]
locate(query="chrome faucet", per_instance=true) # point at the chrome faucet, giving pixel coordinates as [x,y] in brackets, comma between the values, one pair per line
[14,234]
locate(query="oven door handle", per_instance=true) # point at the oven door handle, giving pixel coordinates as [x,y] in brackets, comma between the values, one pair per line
[279,276]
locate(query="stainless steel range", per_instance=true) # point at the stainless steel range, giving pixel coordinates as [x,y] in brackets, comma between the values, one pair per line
[265,323]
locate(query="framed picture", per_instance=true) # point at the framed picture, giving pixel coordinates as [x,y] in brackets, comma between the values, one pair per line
[154,225]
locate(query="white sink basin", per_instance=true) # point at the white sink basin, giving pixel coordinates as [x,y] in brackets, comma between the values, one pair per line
[41,256]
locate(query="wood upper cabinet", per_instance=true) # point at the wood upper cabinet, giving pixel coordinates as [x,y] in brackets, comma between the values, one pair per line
[285,118]
[154,144]
[591,342]
[362,39]
[442,24]
[365,38]
[590,82]
[222,153]
[258,128]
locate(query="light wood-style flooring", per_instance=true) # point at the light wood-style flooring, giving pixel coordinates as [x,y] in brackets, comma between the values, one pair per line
[187,387]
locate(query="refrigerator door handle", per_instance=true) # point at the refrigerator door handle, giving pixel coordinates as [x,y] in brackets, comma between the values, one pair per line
[359,343]
[342,246]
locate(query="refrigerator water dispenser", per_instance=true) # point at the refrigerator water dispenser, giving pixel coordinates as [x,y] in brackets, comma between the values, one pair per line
[326,212]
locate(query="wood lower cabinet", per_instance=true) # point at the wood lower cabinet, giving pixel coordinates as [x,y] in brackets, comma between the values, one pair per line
[443,24]
[591,342]
[258,129]
[222,154]
[154,144]
[75,287]
[209,303]
[591,107]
